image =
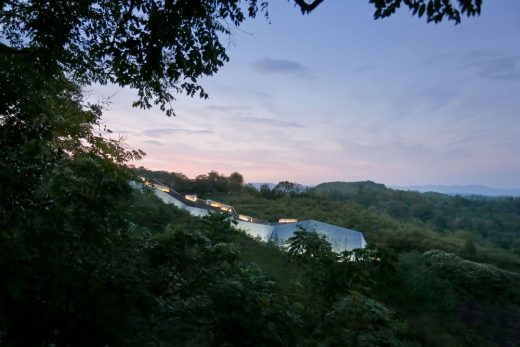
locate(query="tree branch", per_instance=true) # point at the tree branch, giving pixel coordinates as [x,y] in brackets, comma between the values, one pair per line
[306,7]
[124,20]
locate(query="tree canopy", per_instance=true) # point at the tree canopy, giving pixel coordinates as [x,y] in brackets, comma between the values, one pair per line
[158,48]
[87,261]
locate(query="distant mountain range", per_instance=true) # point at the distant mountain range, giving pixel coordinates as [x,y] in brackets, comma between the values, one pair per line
[465,190]
[462,190]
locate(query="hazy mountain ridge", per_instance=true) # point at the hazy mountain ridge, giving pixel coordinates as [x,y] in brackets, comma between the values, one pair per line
[462,190]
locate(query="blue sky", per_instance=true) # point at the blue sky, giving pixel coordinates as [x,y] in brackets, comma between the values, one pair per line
[336,95]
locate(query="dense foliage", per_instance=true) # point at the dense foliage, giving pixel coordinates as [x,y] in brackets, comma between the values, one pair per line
[85,260]
[478,228]
[213,182]
[455,282]
[493,220]
[161,277]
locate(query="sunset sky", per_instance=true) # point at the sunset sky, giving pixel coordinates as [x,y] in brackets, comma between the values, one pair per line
[338,96]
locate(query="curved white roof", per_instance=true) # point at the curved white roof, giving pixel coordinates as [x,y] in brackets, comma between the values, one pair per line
[342,239]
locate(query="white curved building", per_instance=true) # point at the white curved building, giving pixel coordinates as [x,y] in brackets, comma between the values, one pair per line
[341,239]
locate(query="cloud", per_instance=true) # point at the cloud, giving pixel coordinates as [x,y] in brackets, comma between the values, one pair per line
[269,121]
[228,108]
[280,66]
[500,69]
[171,131]
[407,154]
[492,66]
[153,142]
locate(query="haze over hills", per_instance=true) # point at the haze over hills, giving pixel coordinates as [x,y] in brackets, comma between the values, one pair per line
[465,190]
[343,187]
[462,190]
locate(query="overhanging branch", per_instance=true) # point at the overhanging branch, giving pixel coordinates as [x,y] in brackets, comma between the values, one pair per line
[307,7]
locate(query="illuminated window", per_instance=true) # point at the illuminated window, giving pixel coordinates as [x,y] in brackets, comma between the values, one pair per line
[287,220]
[214,203]
[191,197]
[163,188]
[245,218]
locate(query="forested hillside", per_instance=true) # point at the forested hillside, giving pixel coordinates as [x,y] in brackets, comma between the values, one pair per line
[87,259]
[495,220]
[478,228]
[486,229]
[446,284]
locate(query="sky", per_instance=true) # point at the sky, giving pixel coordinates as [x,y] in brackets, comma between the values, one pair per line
[339,96]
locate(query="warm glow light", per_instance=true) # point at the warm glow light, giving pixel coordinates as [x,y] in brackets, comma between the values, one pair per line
[214,203]
[191,197]
[163,188]
[287,220]
[245,218]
